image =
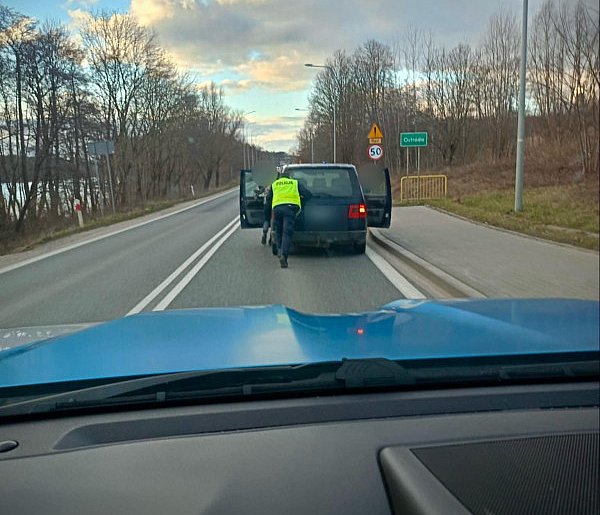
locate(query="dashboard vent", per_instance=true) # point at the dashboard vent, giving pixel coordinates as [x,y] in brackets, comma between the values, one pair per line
[547,474]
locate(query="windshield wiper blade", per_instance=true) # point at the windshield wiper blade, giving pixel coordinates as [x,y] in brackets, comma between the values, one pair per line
[345,374]
[117,388]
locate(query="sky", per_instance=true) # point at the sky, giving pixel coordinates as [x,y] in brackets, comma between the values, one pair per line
[256,49]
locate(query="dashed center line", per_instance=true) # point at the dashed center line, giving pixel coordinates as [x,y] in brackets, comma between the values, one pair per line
[162,286]
[163,304]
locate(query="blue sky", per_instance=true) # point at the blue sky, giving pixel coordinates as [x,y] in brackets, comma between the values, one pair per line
[255,49]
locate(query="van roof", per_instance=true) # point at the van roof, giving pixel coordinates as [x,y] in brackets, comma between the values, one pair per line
[320,165]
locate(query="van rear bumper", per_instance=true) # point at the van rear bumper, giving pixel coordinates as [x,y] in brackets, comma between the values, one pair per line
[327,238]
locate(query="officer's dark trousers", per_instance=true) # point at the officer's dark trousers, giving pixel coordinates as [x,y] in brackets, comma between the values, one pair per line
[283,224]
[267,222]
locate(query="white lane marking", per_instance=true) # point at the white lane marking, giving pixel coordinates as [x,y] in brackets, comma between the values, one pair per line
[161,287]
[163,304]
[398,280]
[98,238]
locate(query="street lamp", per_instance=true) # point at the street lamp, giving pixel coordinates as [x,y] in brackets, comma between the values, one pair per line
[312,138]
[244,137]
[310,65]
[521,115]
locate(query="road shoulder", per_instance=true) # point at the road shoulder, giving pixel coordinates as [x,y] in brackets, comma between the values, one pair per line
[8,261]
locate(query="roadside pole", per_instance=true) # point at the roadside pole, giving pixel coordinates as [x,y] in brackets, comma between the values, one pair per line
[410,140]
[112,195]
[99,189]
[78,211]
[98,148]
[521,119]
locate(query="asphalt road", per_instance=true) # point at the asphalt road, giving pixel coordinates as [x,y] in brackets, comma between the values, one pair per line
[196,258]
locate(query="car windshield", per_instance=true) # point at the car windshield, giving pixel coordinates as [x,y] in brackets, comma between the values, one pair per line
[206,186]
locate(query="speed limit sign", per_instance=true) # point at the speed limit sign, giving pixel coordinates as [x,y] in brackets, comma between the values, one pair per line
[375,152]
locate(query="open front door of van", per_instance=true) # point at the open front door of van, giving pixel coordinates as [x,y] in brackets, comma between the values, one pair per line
[378,197]
[251,201]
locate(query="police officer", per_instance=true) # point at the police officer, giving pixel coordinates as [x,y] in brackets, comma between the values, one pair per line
[285,198]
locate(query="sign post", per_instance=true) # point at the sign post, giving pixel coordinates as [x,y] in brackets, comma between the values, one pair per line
[413,139]
[375,152]
[375,135]
[101,203]
[78,211]
[375,149]
[104,147]
[110,183]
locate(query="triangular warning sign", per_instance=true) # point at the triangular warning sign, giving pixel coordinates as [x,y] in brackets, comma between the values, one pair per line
[375,132]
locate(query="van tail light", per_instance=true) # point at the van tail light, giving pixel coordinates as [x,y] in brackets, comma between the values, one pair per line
[356,211]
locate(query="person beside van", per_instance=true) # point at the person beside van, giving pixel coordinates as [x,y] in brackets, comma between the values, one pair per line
[286,197]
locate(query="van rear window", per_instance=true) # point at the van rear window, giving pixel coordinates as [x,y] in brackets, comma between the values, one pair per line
[325,182]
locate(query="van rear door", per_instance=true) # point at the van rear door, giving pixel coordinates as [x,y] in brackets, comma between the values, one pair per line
[251,201]
[378,197]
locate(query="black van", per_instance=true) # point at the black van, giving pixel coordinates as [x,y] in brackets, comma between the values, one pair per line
[340,210]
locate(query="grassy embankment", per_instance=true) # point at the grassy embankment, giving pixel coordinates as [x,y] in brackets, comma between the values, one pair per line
[559,203]
[37,234]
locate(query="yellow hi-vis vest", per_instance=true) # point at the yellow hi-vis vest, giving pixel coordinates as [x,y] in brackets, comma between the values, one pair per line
[285,191]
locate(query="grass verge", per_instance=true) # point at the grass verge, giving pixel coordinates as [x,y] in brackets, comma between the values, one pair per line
[560,213]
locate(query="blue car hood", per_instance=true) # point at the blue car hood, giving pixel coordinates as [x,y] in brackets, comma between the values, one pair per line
[221,338]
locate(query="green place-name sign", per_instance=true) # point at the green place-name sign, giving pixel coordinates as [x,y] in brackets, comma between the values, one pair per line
[413,139]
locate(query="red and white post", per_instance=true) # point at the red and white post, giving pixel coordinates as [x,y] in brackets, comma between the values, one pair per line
[79,212]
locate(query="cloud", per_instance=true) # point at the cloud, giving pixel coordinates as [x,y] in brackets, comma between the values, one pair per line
[268,41]
[278,74]
[79,18]
[236,32]
[248,2]
[85,4]
[149,12]
[275,133]
[236,86]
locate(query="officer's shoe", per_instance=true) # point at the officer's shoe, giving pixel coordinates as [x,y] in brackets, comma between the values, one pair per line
[283,261]
[263,240]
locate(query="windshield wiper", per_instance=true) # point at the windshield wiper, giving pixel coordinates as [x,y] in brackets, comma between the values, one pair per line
[345,374]
[317,378]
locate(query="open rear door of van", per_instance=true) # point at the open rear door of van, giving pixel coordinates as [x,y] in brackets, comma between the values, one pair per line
[251,201]
[378,197]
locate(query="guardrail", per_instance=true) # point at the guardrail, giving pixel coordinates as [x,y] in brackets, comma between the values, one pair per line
[423,187]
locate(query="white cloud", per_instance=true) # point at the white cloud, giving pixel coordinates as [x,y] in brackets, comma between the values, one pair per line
[85,4]
[149,12]
[282,73]
[268,41]
[247,2]
[79,17]
[275,133]
[236,86]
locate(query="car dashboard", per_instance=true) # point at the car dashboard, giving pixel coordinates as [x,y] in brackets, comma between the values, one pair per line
[529,448]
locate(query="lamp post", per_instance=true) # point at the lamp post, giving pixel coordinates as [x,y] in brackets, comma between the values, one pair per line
[521,115]
[312,139]
[310,65]
[244,137]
